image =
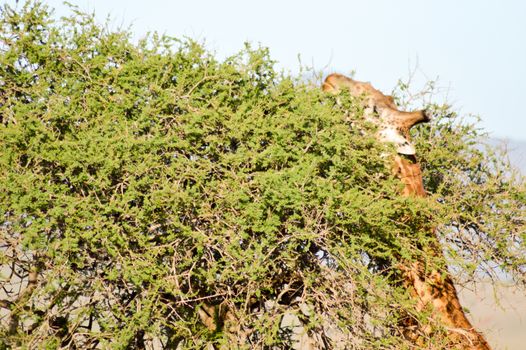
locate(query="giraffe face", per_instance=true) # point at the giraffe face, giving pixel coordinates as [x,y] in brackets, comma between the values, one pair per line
[381,110]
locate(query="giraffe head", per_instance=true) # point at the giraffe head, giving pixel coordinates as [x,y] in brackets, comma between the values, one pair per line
[393,124]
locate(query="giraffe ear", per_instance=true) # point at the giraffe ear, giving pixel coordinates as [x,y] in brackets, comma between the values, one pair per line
[403,145]
[328,87]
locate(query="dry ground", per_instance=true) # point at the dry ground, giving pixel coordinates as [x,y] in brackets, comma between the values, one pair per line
[500,314]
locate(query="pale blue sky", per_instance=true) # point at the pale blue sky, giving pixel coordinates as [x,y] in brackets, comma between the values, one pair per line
[477,48]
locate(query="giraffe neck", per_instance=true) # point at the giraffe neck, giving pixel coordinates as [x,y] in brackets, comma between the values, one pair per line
[434,288]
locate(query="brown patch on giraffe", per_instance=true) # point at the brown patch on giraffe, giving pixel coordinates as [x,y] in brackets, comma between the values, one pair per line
[407,169]
[433,288]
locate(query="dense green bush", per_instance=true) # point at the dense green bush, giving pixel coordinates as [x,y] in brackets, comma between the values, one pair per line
[144,183]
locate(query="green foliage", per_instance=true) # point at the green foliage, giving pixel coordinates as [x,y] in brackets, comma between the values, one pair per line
[482,216]
[146,182]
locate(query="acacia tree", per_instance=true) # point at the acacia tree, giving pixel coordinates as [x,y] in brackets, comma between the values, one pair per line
[155,196]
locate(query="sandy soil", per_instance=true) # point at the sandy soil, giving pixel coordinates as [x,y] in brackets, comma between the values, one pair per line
[499,314]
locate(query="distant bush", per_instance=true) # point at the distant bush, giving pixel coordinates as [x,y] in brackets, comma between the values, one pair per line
[145,183]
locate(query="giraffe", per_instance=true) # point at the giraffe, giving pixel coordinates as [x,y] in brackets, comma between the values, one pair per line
[428,288]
